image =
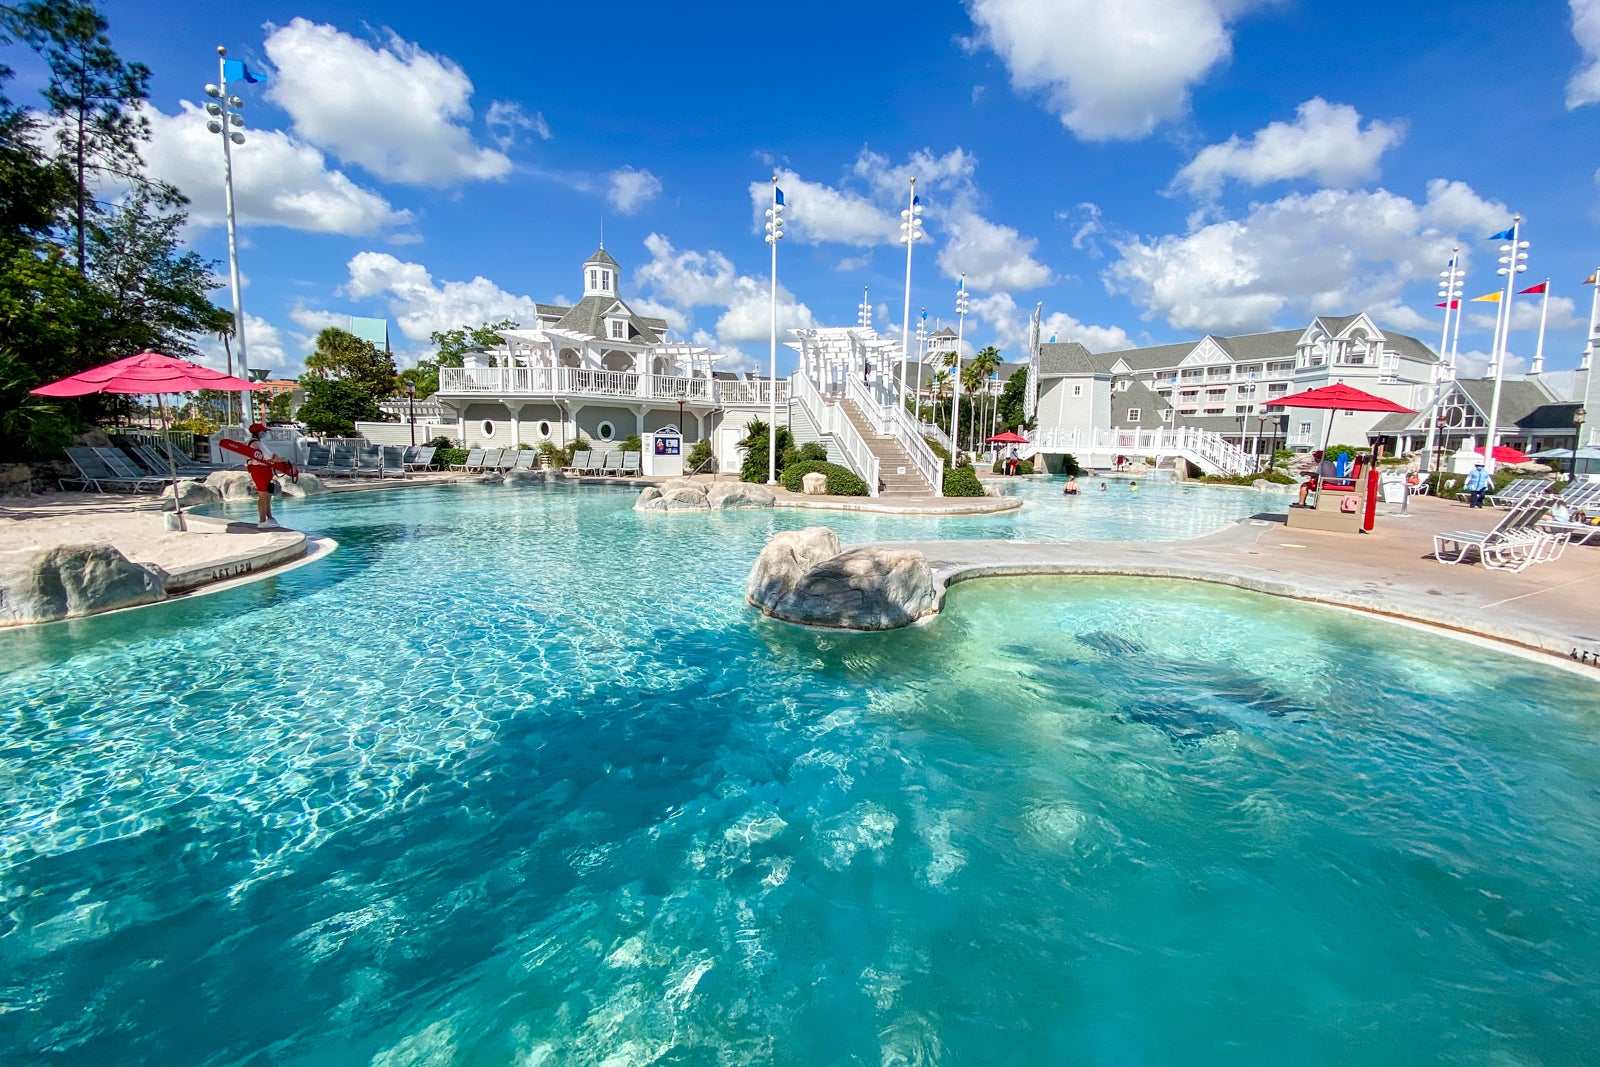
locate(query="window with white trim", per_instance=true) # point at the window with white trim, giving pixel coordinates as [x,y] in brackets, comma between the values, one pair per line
[619,330]
[594,278]
[1133,414]
[1077,390]
[544,429]
[606,431]
[488,427]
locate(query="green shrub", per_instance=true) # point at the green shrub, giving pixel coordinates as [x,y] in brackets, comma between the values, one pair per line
[1024,467]
[1276,477]
[961,481]
[841,481]
[632,443]
[698,456]
[441,442]
[552,453]
[443,458]
[1069,465]
[939,450]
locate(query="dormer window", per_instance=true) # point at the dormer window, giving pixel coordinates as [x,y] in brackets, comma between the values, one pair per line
[618,329]
[594,277]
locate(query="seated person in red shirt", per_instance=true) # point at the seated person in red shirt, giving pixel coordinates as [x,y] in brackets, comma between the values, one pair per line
[1325,468]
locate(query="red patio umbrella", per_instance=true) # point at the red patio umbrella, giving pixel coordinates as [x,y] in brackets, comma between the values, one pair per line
[1007,438]
[1507,454]
[1337,397]
[149,372]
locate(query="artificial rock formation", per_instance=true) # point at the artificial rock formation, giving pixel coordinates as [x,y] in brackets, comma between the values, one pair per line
[41,585]
[308,485]
[802,576]
[232,485]
[190,494]
[680,494]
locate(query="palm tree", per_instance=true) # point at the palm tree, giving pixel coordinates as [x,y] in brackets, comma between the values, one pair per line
[980,367]
[939,385]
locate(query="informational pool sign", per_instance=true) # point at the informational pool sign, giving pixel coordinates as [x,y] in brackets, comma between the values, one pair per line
[663,453]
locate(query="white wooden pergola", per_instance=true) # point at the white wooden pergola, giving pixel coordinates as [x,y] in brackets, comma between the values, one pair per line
[829,354]
[539,348]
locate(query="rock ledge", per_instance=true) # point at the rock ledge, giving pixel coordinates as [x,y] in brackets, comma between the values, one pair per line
[802,576]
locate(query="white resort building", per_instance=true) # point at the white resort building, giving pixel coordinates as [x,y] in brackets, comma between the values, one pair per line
[602,371]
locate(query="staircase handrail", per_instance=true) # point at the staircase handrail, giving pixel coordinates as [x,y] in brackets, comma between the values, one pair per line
[891,418]
[830,421]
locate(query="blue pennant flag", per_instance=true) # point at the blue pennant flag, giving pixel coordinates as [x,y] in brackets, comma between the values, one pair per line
[924,314]
[1503,235]
[777,195]
[961,286]
[1052,338]
[234,70]
[915,199]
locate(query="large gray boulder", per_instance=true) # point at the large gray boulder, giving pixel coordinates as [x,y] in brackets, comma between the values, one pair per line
[190,494]
[44,584]
[232,485]
[308,485]
[730,495]
[650,500]
[785,560]
[684,498]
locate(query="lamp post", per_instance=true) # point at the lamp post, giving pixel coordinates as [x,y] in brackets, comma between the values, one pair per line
[224,112]
[411,399]
[1511,259]
[1445,372]
[955,403]
[922,354]
[910,234]
[1577,435]
[774,235]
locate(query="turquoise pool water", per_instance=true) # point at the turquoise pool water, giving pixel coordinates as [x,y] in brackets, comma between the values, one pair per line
[512,779]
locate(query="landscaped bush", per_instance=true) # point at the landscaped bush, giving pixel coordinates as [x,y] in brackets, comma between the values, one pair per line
[810,452]
[698,455]
[1276,477]
[754,466]
[551,453]
[632,443]
[841,481]
[961,481]
[441,442]
[1069,465]
[939,450]
[443,458]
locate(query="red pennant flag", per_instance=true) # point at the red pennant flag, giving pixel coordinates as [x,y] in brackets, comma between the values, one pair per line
[1541,287]
[1454,305]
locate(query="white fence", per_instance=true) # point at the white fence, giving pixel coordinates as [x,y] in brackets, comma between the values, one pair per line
[584,381]
[893,418]
[1206,448]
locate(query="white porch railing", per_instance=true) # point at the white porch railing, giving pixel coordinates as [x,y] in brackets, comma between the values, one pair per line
[892,418]
[584,381]
[1207,448]
[830,420]
[928,429]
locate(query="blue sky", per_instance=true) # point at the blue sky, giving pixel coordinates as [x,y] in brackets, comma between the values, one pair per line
[1150,171]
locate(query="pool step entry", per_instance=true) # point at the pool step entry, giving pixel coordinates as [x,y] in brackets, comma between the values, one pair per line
[891,458]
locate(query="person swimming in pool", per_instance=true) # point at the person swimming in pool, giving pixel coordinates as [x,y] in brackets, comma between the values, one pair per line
[1071,488]
[1133,487]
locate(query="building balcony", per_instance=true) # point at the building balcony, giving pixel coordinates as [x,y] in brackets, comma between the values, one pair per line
[582,383]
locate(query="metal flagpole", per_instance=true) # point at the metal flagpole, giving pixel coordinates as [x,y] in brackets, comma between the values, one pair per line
[226,118]
[955,404]
[1513,265]
[922,354]
[774,235]
[1538,352]
[910,233]
[1450,289]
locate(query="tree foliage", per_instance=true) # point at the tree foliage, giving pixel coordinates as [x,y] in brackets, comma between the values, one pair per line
[342,355]
[333,407]
[1012,400]
[453,344]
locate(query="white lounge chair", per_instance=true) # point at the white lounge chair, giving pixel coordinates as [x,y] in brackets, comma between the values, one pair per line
[1511,545]
[579,464]
[473,461]
[630,465]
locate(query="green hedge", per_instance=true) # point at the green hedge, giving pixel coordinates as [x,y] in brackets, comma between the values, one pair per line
[443,458]
[961,481]
[1024,467]
[841,482]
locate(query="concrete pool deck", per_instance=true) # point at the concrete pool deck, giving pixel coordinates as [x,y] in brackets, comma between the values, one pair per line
[1552,608]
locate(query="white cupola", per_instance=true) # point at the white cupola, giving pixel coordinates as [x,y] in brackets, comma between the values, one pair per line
[600,274]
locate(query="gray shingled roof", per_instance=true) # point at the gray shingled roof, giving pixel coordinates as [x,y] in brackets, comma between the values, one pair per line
[1250,347]
[1395,422]
[1068,357]
[587,316]
[602,256]
[1139,359]
[1137,396]
[1518,399]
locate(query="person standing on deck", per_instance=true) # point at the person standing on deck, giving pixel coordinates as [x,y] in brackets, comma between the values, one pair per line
[1477,485]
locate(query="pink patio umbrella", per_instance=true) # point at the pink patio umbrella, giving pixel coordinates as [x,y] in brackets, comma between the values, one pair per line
[1337,397]
[146,373]
[1506,454]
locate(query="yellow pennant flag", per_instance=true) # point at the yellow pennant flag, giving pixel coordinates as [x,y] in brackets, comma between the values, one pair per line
[1590,280]
[1492,298]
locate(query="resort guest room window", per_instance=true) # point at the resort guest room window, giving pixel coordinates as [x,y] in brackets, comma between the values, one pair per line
[1077,390]
[618,330]
[606,431]
[1133,414]
[488,428]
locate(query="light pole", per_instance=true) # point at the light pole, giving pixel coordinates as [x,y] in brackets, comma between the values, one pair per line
[411,399]
[1511,264]
[910,234]
[774,235]
[224,112]
[1577,435]
[955,404]
[922,354]
[1445,372]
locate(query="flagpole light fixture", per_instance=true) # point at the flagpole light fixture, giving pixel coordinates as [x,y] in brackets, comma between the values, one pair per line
[922,354]
[1450,293]
[910,233]
[1512,256]
[225,120]
[774,235]
[962,306]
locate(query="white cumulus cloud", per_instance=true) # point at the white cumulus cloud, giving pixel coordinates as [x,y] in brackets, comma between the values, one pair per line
[263,345]
[1109,70]
[689,279]
[1328,252]
[1326,144]
[1010,326]
[393,109]
[1584,88]
[814,212]
[629,190]
[506,121]
[277,180]
[421,305]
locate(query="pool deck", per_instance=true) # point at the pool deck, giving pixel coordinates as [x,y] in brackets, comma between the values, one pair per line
[1552,608]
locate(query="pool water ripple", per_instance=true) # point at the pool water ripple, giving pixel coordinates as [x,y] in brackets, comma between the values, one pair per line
[515,777]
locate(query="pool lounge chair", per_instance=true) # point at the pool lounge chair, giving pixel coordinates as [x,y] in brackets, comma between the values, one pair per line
[630,465]
[392,461]
[419,457]
[489,461]
[1516,492]
[1512,544]
[155,459]
[92,472]
[474,458]
[580,463]
[125,470]
[509,458]
[527,460]
[341,462]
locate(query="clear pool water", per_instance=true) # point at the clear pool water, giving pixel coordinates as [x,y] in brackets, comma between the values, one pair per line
[512,778]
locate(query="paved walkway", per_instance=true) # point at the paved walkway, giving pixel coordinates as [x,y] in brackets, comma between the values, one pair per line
[1551,607]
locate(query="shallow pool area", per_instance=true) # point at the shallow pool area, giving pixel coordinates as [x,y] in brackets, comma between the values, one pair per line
[515,777]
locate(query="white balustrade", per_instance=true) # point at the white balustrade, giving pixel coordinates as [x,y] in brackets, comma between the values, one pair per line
[1190,441]
[831,420]
[586,381]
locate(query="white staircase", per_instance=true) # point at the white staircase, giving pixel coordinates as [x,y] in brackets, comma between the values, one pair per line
[1206,449]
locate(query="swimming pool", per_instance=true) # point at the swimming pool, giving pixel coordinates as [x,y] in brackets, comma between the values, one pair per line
[514,778]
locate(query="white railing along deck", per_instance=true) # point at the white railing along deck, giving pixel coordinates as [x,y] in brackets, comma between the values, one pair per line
[1190,441]
[584,381]
[830,420]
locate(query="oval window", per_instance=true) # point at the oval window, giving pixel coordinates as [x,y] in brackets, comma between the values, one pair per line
[606,431]
[544,429]
[488,428]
